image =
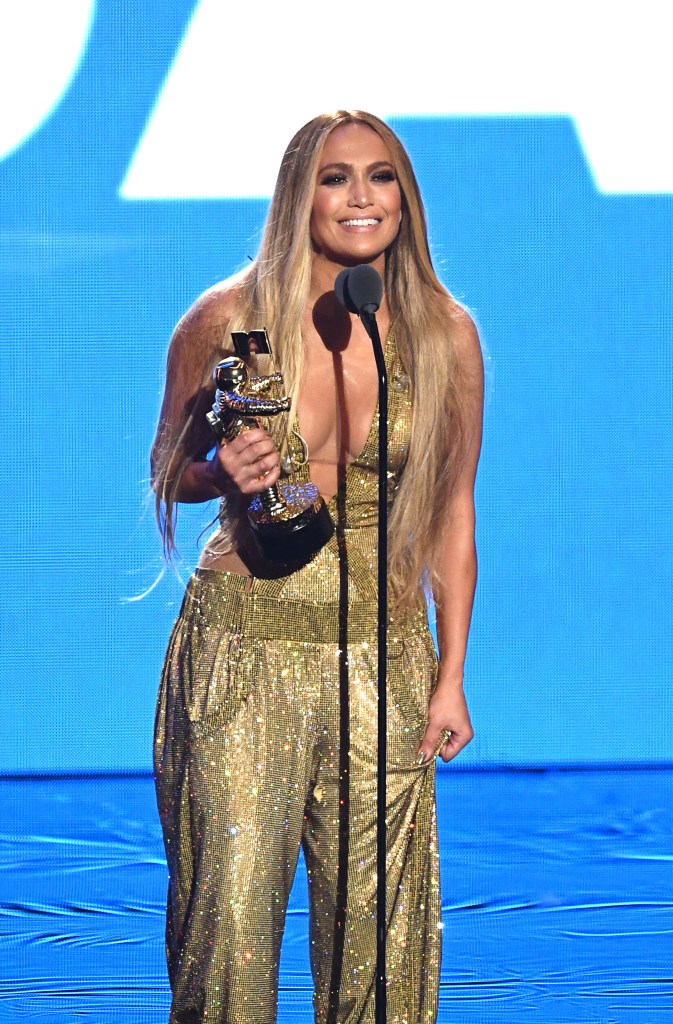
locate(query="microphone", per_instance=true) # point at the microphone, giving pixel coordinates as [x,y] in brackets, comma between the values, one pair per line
[359,289]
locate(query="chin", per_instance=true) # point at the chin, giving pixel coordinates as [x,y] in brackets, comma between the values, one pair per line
[353,257]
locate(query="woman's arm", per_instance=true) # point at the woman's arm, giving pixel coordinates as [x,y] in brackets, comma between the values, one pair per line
[248,464]
[454,597]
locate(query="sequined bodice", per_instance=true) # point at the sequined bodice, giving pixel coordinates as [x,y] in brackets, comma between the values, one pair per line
[357,497]
[354,508]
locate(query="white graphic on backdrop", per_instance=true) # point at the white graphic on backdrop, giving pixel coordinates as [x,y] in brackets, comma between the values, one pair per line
[247,76]
[41,46]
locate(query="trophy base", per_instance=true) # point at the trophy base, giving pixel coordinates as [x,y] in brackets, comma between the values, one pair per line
[296,530]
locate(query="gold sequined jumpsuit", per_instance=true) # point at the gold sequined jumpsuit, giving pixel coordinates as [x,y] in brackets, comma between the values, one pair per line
[262,680]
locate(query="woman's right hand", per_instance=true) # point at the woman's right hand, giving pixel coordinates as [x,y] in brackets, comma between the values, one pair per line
[247,465]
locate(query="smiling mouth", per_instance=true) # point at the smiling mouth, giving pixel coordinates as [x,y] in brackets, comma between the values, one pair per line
[360,222]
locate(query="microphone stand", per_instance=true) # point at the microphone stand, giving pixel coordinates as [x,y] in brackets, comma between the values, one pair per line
[367,315]
[360,290]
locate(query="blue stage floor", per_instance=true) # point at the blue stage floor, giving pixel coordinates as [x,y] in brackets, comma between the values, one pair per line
[557,897]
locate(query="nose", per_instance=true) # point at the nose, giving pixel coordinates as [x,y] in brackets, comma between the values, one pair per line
[360,195]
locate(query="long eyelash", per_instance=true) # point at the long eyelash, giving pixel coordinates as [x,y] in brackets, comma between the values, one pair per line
[339,179]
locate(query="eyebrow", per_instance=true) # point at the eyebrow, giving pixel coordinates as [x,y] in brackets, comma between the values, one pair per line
[349,167]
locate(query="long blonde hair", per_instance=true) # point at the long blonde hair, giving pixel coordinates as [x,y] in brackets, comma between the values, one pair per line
[274,291]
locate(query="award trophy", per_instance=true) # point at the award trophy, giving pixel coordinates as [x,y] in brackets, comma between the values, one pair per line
[290,522]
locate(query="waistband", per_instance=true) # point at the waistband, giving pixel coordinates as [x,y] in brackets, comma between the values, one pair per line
[256,607]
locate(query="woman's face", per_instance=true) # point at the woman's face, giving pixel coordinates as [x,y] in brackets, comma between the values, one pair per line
[357,203]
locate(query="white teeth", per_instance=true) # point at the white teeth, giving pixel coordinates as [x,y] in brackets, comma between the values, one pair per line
[361,222]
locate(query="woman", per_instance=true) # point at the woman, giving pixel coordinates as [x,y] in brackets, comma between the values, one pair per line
[251,758]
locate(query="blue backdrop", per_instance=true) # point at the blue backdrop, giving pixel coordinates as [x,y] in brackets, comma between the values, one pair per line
[571,647]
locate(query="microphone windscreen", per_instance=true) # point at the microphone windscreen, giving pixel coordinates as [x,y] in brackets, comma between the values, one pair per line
[341,289]
[365,288]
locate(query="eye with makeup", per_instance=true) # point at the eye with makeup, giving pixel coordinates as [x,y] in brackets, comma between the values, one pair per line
[333,179]
[341,178]
[385,176]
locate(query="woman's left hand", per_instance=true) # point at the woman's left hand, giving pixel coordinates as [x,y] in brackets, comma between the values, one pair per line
[447,716]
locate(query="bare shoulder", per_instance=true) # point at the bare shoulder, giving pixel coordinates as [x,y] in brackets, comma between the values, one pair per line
[211,312]
[465,337]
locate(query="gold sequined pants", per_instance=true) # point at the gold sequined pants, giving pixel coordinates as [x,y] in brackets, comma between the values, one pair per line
[247,759]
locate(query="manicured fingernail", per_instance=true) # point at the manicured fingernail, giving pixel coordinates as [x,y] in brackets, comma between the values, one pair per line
[422,757]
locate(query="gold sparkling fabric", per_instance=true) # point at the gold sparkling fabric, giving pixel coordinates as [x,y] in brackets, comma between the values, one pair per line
[249,733]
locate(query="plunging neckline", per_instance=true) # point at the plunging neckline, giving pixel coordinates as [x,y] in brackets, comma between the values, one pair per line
[330,502]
